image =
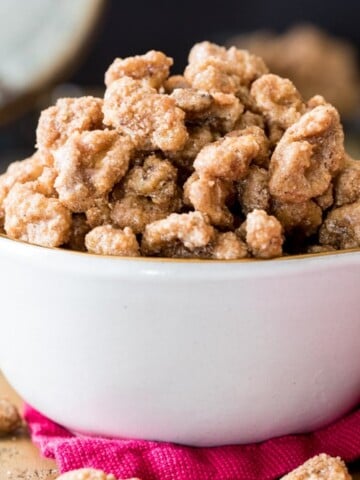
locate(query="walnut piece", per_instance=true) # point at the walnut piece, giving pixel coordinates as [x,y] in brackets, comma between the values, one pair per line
[151,119]
[306,158]
[191,229]
[341,228]
[209,196]
[321,467]
[263,235]
[32,217]
[89,165]
[69,115]
[229,158]
[107,240]
[152,69]
[214,68]
[10,419]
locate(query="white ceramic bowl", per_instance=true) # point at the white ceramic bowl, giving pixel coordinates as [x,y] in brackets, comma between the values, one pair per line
[202,353]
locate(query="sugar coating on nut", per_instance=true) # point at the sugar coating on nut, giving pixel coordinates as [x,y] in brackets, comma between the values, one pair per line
[263,234]
[152,120]
[107,240]
[229,158]
[209,196]
[69,115]
[341,228]
[19,172]
[191,229]
[32,217]
[278,100]
[321,467]
[306,158]
[228,246]
[152,68]
[10,418]
[89,165]
[213,68]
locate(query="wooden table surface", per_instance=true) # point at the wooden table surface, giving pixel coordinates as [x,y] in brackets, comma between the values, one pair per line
[20,459]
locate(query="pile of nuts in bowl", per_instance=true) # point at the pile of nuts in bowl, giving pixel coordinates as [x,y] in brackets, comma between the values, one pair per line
[226,161]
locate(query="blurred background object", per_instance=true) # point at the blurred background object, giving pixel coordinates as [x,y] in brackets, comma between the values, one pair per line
[45,43]
[314,60]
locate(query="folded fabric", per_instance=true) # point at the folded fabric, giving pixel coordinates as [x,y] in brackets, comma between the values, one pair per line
[165,461]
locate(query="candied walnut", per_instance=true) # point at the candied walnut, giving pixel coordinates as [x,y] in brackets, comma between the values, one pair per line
[99,214]
[213,68]
[87,474]
[10,419]
[209,196]
[136,212]
[152,120]
[229,158]
[79,228]
[155,179]
[263,235]
[19,172]
[321,467]
[32,217]
[220,110]
[347,183]
[175,81]
[107,240]
[228,246]
[89,165]
[309,154]
[249,119]
[191,229]
[152,68]
[199,136]
[341,228]
[69,115]
[278,100]
[305,217]
[320,249]
[253,191]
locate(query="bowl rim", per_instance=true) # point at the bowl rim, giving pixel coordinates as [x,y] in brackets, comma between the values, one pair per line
[302,256]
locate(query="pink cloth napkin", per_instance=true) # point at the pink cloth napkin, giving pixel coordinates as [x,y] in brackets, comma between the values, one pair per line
[166,461]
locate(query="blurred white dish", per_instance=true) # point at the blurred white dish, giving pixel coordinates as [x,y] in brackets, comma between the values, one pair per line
[202,353]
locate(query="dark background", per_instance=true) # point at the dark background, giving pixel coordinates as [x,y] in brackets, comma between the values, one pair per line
[134,27]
